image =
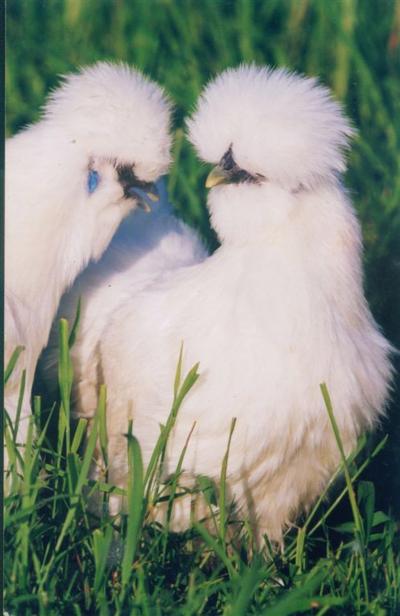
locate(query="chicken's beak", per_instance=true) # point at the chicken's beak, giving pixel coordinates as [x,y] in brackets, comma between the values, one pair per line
[217,176]
[147,196]
[153,194]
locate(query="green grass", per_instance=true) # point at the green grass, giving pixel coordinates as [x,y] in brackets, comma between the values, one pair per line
[61,559]
[344,557]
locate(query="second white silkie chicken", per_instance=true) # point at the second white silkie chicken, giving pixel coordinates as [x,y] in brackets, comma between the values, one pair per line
[277,310]
[102,141]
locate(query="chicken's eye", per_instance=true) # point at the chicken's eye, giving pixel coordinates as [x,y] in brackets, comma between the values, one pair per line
[93,180]
[227,161]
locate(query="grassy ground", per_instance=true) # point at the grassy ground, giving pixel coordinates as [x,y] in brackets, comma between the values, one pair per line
[344,561]
[61,559]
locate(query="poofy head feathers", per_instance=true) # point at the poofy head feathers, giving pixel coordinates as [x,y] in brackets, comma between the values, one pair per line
[112,129]
[102,142]
[113,111]
[274,123]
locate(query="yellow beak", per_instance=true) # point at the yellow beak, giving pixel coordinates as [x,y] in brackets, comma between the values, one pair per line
[217,176]
[153,195]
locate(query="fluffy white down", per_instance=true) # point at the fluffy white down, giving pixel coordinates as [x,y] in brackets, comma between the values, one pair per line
[145,246]
[101,117]
[275,311]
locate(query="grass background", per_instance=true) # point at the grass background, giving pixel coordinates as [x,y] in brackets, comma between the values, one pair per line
[352,45]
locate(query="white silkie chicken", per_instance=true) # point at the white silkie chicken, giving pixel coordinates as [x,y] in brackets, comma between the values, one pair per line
[275,311]
[70,179]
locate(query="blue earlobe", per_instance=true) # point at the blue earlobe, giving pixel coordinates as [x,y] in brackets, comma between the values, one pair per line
[93,180]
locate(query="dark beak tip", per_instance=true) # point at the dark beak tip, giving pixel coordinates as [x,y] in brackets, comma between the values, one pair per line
[144,196]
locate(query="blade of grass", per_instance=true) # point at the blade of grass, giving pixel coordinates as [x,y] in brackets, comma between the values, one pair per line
[136,508]
[84,471]
[65,376]
[103,425]
[177,473]
[78,435]
[160,446]
[101,547]
[21,393]
[75,325]
[343,493]
[359,534]
[222,485]
[12,363]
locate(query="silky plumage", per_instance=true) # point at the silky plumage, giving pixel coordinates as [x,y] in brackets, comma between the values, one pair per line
[70,180]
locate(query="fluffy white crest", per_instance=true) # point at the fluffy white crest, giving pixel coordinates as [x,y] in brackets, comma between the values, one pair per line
[282,125]
[114,110]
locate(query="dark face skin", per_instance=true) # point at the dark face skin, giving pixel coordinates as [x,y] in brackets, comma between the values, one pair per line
[228,172]
[235,174]
[128,179]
